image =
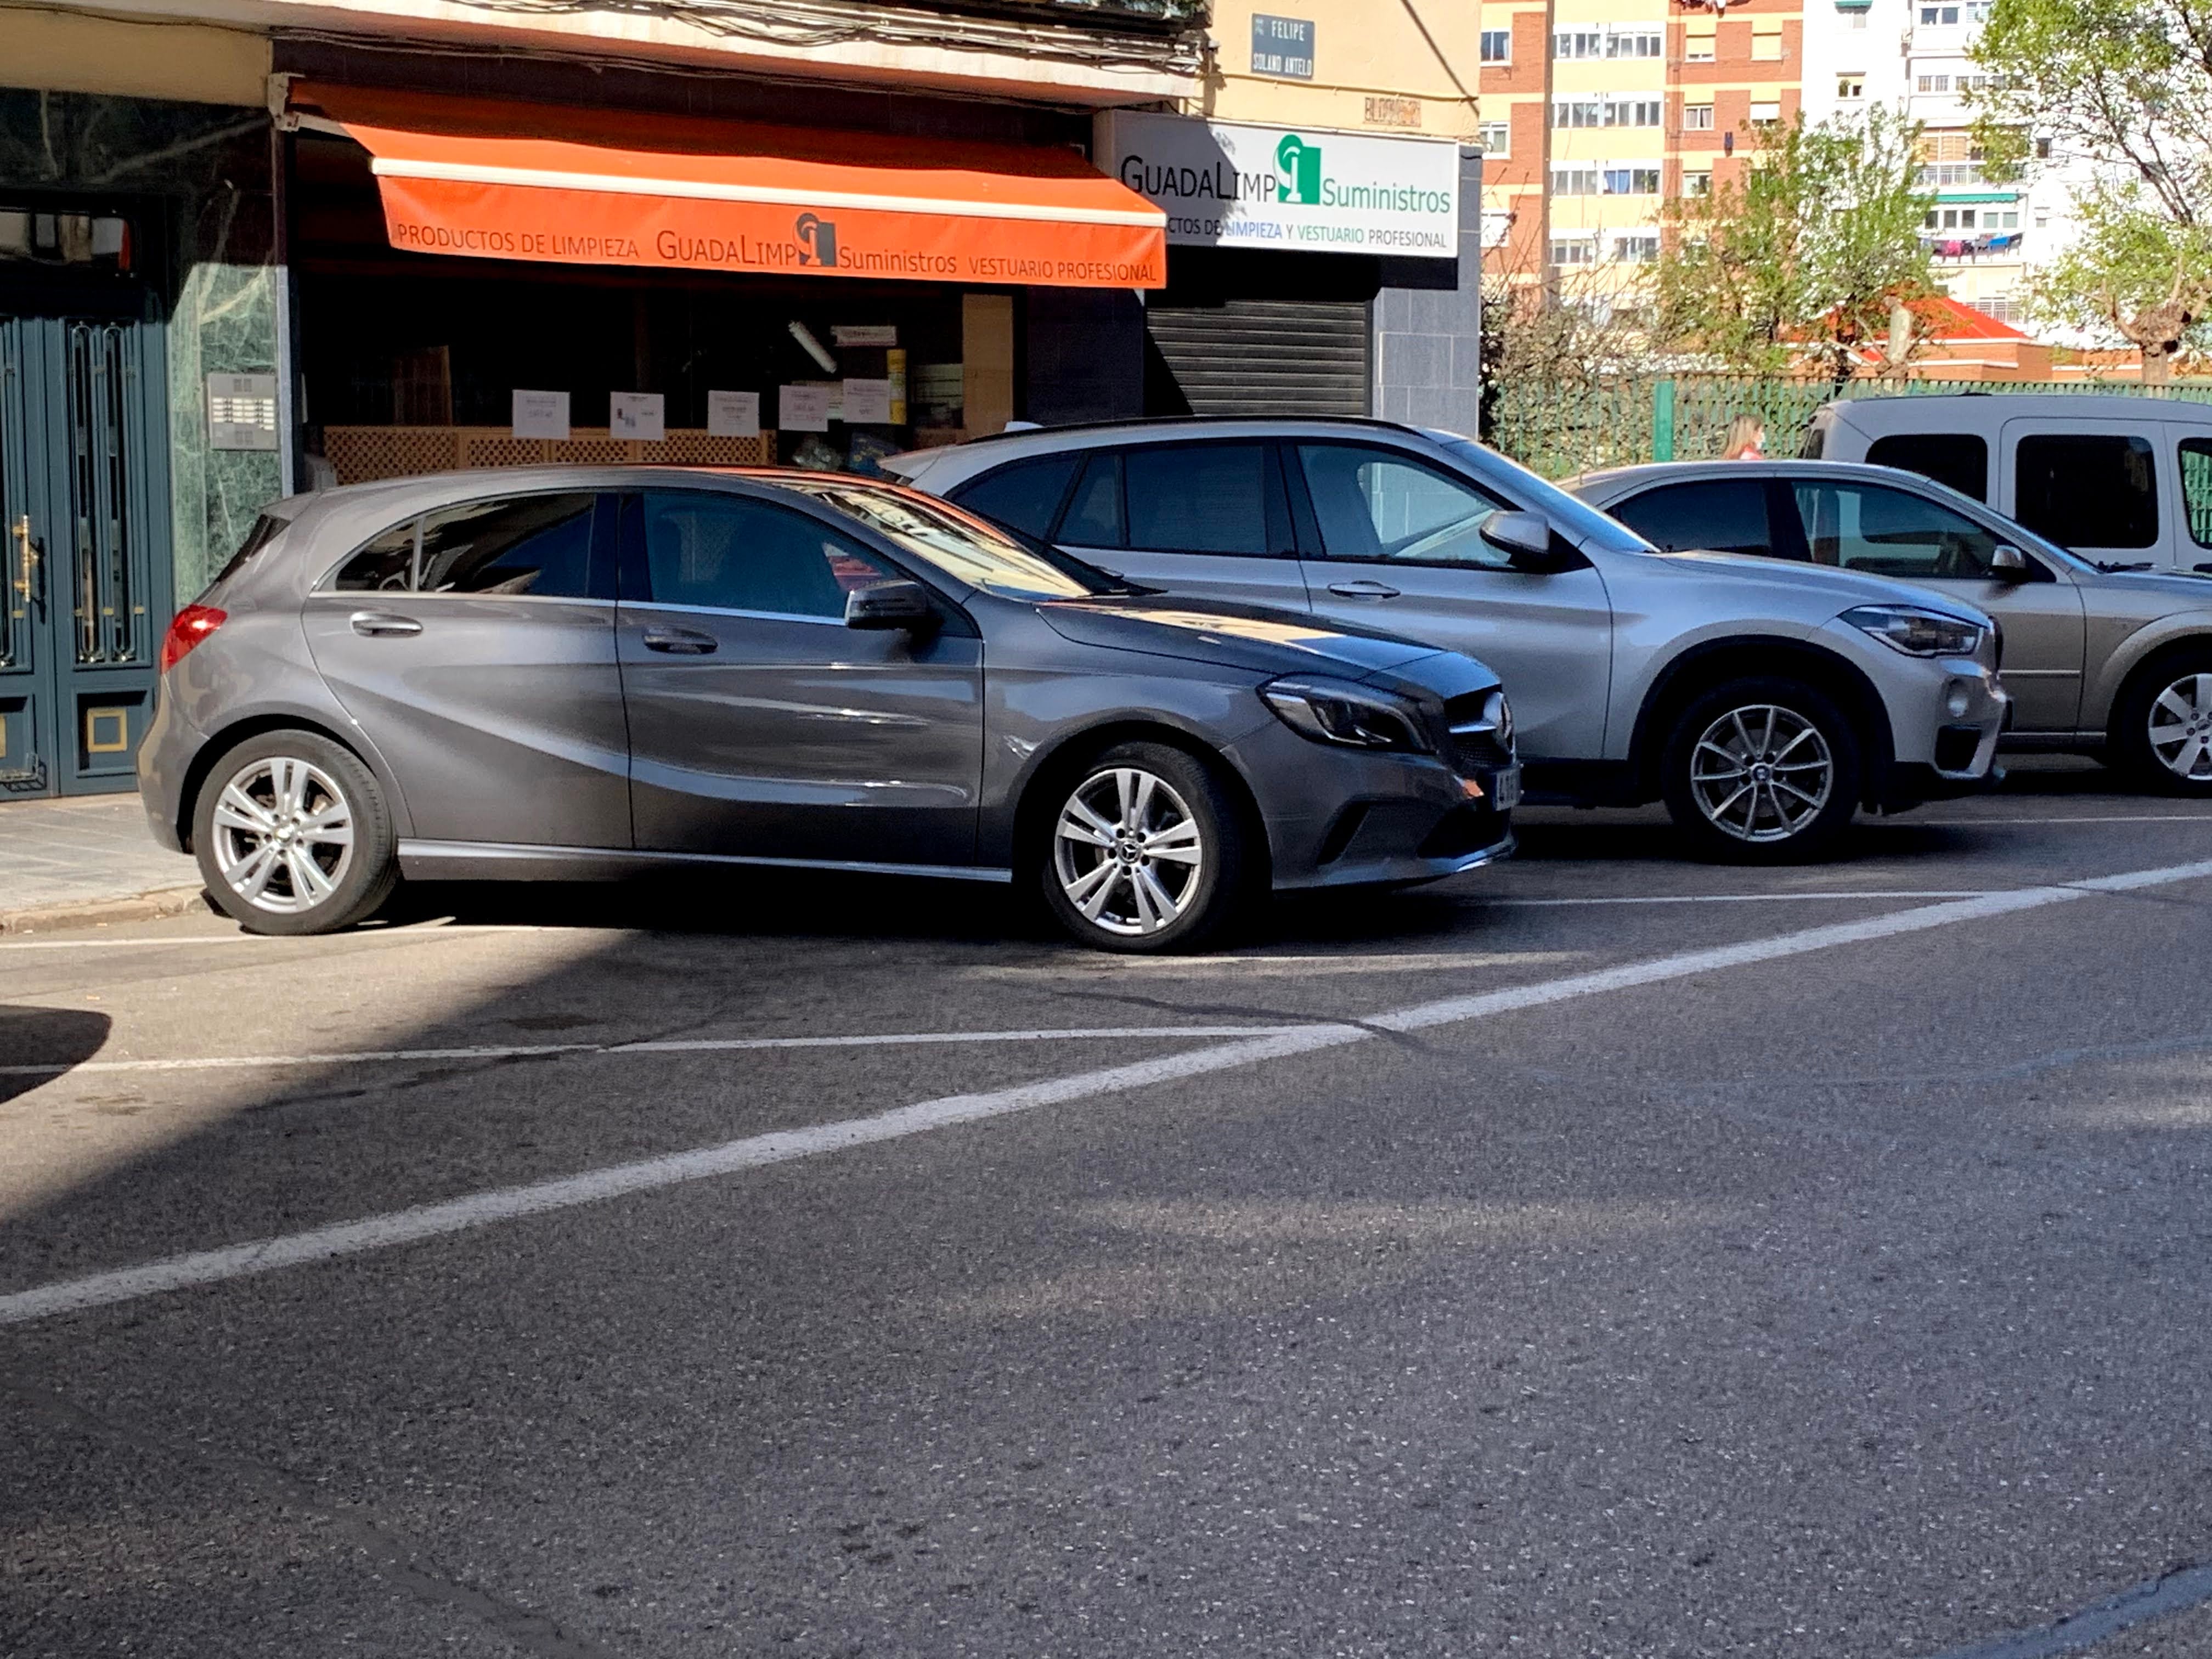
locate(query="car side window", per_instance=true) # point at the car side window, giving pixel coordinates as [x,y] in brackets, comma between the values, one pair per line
[1206,498]
[1025,495]
[1961,460]
[726,552]
[385,564]
[2196,488]
[535,544]
[1891,533]
[1371,504]
[2088,489]
[1094,515]
[1723,515]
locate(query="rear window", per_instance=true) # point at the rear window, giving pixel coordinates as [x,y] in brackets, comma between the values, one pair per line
[1961,460]
[2087,489]
[266,529]
[1726,516]
[2196,488]
[1024,496]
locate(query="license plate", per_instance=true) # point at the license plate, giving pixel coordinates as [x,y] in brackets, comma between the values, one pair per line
[1505,790]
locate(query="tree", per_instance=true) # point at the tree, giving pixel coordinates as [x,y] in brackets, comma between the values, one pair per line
[2125,85]
[1800,261]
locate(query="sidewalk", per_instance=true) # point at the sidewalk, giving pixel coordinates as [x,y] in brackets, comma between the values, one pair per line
[67,863]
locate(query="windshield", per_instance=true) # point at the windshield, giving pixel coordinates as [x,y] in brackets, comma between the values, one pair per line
[1568,516]
[965,547]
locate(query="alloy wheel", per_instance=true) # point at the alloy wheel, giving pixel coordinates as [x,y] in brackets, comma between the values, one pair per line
[283,834]
[1762,773]
[1127,852]
[2180,722]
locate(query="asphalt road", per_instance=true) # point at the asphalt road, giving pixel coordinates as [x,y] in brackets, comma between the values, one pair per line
[1602,1254]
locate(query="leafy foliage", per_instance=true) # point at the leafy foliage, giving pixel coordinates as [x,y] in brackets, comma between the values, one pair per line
[1798,264]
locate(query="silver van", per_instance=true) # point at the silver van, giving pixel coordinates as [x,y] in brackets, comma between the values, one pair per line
[2122,482]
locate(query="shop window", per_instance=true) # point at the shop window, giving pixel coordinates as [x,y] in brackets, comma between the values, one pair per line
[729,553]
[1094,517]
[534,544]
[1204,498]
[1023,497]
[1723,515]
[2196,488]
[1961,460]
[2087,490]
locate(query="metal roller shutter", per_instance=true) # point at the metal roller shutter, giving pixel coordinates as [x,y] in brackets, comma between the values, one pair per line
[1256,358]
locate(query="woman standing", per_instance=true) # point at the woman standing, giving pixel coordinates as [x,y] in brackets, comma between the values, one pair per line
[1746,440]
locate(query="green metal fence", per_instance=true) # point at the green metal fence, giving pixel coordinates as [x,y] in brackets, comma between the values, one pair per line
[1559,429]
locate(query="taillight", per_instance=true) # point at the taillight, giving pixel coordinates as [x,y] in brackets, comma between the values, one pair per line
[193,623]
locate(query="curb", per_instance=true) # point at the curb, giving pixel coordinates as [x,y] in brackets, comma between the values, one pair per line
[94,913]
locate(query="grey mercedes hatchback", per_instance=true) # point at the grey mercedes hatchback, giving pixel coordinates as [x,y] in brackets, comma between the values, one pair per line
[587,672]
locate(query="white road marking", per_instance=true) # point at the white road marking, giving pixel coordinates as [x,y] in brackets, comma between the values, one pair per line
[1735,899]
[756,1152]
[425,930]
[672,1046]
[2134,817]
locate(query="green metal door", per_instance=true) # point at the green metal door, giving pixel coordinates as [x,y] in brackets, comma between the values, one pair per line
[84,504]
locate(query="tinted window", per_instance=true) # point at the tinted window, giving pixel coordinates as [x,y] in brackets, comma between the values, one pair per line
[1373,505]
[1025,495]
[266,529]
[386,565]
[539,545]
[1094,517]
[966,548]
[1728,515]
[1204,498]
[1890,532]
[1961,460]
[732,554]
[2196,488]
[2087,489]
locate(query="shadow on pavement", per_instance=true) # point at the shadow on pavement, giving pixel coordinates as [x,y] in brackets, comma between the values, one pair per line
[46,1036]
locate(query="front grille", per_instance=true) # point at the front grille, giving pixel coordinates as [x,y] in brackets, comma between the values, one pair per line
[1474,746]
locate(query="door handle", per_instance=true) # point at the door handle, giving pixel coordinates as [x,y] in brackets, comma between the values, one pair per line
[376,624]
[1363,590]
[28,581]
[679,642]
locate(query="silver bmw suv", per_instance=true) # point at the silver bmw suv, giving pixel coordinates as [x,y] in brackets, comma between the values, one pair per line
[1764,708]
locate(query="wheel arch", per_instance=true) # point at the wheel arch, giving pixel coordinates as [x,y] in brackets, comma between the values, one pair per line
[242,731]
[2125,677]
[1714,662]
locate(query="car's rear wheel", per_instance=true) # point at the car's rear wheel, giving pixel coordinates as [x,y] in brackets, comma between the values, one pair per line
[294,836]
[1145,852]
[2163,728]
[1762,771]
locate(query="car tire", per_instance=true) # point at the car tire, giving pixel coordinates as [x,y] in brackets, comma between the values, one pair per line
[294,835]
[2162,724]
[1143,851]
[1762,771]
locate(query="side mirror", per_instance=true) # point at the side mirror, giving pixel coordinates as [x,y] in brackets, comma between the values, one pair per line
[1526,535]
[2008,564]
[889,605]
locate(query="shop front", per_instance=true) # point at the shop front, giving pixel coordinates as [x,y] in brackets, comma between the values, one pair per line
[1310,272]
[489,282]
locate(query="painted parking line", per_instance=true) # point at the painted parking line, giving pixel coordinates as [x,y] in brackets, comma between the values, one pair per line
[671,1046]
[1737,898]
[757,1151]
[423,930]
[2125,817]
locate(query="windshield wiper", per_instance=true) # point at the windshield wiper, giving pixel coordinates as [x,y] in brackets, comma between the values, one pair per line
[2111,569]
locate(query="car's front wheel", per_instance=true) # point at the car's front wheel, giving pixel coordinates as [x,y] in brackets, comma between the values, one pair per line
[2163,726]
[293,836]
[1145,852]
[1761,771]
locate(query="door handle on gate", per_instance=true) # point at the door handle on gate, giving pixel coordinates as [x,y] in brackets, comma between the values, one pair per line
[26,582]
[376,624]
[1363,590]
[680,641]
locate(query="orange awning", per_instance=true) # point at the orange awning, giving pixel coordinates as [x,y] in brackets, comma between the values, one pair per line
[583,186]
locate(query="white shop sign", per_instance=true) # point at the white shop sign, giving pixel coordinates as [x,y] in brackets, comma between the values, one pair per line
[1229,184]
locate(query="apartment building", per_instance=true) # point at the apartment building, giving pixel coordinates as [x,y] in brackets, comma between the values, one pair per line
[1596,113]
[1915,56]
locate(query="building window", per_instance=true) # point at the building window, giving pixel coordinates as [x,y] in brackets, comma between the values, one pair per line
[1766,40]
[1496,45]
[1766,113]
[1697,118]
[1858,20]
[1933,84]
[1627,42]
[1573,253]
[1574,181]
[1936,16]
[1631,181]
[2004,308]
[2043,150]
[1977,11]
[1697,43]
[1578,43]
[1850,87]
[1697,184]
[1636,249]
[1605,113]
[1497,138]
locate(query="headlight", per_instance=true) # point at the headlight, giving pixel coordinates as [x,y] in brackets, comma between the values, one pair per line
[1917,633]
[1335,711]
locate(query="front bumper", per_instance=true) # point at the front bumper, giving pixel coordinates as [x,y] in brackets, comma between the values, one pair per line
[1945,714]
